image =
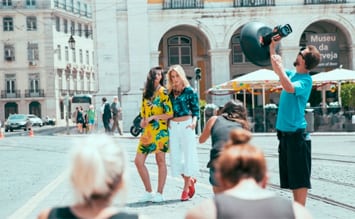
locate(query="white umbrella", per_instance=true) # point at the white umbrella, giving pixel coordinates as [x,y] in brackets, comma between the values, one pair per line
[259,79]
[338,75]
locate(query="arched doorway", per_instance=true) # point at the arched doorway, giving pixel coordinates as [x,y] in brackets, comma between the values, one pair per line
[35,108]
[11,108]
[187,46]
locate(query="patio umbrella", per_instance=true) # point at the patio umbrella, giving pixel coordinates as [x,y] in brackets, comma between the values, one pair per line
[338,76]
[259,79]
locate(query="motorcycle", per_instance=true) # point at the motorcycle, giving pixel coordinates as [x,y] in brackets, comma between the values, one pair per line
[136,128]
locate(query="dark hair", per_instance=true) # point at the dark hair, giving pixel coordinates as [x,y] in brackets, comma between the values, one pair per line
[235,110]
[149,84]
[312,58]
[104,99]
[239,160]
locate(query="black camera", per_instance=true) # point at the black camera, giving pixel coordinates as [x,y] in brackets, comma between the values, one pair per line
[281,30]
[197,73]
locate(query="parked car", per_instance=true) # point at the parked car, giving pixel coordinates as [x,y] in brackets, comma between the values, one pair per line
[35,120]
[48,121]
[17,121]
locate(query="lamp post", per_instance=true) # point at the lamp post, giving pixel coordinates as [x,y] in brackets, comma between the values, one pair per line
[71,40]
[197,86]
[67,112]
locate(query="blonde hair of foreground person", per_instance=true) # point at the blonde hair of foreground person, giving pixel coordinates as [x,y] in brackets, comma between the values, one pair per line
[241,171]
[98,172]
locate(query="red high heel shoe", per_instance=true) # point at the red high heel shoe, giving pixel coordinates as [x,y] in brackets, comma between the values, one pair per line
[192,187]
[185,196]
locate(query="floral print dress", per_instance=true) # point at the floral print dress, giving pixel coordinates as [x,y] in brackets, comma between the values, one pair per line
[155,135]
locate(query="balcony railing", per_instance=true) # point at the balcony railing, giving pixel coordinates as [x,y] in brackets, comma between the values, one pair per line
[182,4]
[10,94]
[34,93]
[72,9]
[19,4]
[253,3]
[315,2]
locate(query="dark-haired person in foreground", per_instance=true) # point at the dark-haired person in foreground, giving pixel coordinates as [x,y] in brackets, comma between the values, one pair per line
[232,116]
[241,172]
[294,142]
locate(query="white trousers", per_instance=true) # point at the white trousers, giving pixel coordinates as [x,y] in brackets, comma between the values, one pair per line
[183,149]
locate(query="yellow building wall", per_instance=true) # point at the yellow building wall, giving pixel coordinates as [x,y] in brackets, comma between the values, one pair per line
[206,1]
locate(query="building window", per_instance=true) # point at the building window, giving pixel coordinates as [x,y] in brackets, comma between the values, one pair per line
[8,24]
[86,30]
[32,52]
[72,26]
[31,23]
[10,80]
[81,56]
[71,5]
[78,7]
[86,10]
[80,30]
[66,54]
[87,57]
[65,4]
[6,3]
[57,24]
[30,3]
[179,50]
[93,58]
[65,23]
[237,53]
[33,80]
[74,55]
[9,51]
[59,52]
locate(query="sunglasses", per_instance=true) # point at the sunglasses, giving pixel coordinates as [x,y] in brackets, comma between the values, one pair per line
[300,53]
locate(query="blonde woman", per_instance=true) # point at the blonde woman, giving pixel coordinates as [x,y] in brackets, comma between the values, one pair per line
[97,174]
[182,141]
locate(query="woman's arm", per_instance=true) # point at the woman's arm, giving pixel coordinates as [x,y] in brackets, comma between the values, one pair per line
[44,214]
[207,130]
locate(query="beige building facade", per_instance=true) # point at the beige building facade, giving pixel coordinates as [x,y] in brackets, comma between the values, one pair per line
[205,34]
[38,68]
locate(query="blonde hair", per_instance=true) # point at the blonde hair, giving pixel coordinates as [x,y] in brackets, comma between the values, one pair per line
[181,72]
[97,168]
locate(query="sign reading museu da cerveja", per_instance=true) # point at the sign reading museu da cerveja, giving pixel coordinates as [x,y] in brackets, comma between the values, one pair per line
[327,44]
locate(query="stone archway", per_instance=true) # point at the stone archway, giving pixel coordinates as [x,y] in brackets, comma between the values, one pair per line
[35,108]
[199,57]
[11,108]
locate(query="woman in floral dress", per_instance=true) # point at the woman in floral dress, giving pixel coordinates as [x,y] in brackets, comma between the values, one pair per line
[156,109]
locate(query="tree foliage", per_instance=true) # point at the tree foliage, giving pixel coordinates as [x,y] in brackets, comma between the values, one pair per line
[348,95]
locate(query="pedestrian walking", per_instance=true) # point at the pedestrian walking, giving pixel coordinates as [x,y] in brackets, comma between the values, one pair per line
[156,109]
[116,110]
[242,173]
[232,116]
[91,115]
[98,172]
[294,145]
[106,115]
[182,126]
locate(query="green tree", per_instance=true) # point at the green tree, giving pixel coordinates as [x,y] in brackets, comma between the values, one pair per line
[348,95]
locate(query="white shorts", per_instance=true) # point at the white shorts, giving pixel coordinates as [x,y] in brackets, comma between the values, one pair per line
[183,149]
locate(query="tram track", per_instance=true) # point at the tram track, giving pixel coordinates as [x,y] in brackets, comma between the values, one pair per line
[319,198]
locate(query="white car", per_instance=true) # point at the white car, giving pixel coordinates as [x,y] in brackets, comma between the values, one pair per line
[35,120]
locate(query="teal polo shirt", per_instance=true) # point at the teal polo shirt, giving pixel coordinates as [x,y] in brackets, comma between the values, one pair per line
[291,111]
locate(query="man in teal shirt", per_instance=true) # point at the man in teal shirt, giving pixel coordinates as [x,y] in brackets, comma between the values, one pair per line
[294,144]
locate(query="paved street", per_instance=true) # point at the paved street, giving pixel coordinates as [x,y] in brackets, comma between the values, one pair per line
[33,176]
